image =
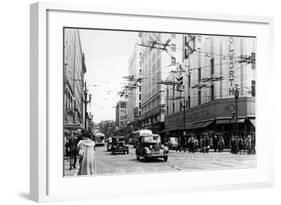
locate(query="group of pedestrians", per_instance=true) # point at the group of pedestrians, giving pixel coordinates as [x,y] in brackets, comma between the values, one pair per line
[82,147]
[239,144]
[204,143]
[217,143]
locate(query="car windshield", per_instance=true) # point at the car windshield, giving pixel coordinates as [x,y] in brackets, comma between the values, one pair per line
[173,140]
[117,140]
[151,139]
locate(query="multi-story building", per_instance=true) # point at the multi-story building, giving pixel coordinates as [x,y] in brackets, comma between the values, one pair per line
[216,67]
[134,88]
[107,127]
[74,70]
[160,54]
[121,114]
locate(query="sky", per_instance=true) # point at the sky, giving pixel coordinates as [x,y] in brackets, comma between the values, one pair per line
[107,55]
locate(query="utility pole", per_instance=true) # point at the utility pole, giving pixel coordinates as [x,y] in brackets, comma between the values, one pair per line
[86,101]
[236,109]
[184,110]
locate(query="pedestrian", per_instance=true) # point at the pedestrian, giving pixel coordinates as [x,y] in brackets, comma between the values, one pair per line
[236,145]
[253,149]
[86,152]
[250,144]
[208,142]
[240,144]
[72,152]
[196,144]
[215,143]
[220,143]
[191,144]
[232,145]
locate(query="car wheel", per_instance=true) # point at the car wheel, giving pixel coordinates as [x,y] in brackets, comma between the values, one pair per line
[128,152]
[165,158]
[138,158]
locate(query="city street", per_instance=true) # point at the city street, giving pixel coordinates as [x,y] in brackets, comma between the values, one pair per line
[200,88]
[106,163]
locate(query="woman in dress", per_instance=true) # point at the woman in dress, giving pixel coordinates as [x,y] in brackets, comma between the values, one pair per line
[86,148]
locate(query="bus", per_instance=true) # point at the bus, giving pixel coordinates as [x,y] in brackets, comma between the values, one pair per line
[136,134]
[99,139]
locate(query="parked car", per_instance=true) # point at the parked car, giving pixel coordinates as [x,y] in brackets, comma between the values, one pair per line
[149,147]
[119,145]
[173,143]
[109,144]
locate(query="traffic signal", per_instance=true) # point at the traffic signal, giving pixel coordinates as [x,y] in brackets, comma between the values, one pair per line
[179,80]
[179,83]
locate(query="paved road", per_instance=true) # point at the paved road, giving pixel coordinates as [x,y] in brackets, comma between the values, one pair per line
[106,163]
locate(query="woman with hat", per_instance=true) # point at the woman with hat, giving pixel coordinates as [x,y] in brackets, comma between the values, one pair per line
[86,152]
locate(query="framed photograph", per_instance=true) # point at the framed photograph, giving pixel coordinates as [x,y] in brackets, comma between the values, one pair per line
[129,102]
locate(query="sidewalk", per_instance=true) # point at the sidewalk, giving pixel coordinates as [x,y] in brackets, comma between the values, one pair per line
[72,172]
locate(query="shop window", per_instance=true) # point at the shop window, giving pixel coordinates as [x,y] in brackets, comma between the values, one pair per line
[199,74]
[173,47]
[212,92]
[173,61]
[212,66]
[123,105]
[253,88]
[199,97]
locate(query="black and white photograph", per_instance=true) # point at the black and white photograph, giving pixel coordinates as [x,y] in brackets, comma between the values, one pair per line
[154,102]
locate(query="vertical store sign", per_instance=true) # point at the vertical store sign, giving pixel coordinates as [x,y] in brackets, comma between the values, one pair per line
[231,67]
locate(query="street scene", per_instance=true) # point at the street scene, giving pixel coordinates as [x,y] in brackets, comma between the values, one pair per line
[127,163]
[144,102]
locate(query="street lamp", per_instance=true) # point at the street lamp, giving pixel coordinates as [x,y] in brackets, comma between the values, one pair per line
[184,111]
[86,101]
[236,96]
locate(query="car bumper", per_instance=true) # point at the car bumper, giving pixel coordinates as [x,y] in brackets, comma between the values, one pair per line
[156,155]
[119,150]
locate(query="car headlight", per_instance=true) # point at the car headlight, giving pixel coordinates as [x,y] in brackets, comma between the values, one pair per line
[146,150]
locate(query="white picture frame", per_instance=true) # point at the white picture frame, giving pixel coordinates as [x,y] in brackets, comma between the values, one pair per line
[46,179]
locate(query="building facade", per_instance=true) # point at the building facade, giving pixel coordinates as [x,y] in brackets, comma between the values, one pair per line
[74,71]
[135,88]
[215,68]
[160,53]
[121,114]
[107,127]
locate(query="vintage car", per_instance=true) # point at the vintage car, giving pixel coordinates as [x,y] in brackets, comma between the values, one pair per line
[173,143]
[109,144]
[118,145]
[149,147]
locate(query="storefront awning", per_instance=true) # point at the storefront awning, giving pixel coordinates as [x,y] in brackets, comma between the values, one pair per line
[171,129]
[253,121]
[66,131]
[72,126]
[229,121]
[200,125]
